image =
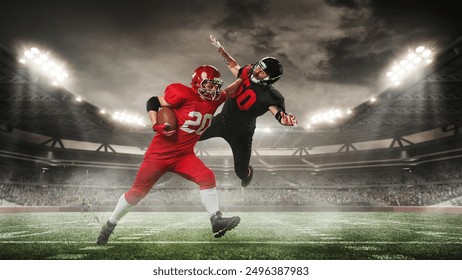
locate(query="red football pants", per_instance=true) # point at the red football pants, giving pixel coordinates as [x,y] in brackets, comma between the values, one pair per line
[188,166]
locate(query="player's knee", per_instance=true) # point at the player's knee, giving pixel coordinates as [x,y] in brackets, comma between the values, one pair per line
[207,180]
[133,196]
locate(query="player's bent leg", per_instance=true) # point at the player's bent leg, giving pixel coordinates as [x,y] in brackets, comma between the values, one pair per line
[148,174]
[216,128]
[222,225]
[242,150]
[192,168]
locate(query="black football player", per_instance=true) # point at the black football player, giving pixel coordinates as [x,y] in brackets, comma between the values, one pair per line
[237,121]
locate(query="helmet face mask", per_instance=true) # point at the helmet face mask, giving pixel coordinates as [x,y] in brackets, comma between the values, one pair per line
[207,82]
[270,66]
[210,89]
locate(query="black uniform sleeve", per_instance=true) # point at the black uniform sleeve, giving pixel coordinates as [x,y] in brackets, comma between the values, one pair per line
[273,98]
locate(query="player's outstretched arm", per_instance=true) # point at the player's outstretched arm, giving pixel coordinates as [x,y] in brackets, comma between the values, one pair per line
[229,60]
[283,118]
[232,89]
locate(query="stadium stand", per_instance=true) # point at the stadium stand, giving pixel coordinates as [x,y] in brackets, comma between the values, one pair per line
[402,150]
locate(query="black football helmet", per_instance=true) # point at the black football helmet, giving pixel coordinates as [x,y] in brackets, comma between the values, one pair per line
[271,66]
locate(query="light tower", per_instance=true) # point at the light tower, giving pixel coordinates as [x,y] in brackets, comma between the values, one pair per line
[45,65]
[409,63]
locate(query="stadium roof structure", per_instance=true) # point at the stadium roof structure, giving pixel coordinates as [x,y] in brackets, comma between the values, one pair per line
[54,112]
[429,101]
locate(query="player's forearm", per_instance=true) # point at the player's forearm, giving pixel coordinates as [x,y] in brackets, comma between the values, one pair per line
[153,117]
[232,89]
[273,109]
[230,61]
[283,118]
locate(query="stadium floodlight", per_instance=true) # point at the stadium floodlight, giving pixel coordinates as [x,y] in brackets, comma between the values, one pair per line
[327,117]
[412,61]
[41,62]
[124,117]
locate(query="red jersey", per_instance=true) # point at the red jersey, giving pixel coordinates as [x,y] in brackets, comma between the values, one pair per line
[193,115]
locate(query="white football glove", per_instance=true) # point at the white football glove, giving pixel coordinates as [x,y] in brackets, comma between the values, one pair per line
[215,42]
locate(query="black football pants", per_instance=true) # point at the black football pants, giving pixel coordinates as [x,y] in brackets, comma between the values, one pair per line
[239,140]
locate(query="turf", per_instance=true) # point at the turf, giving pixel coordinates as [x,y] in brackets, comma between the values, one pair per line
[259,236]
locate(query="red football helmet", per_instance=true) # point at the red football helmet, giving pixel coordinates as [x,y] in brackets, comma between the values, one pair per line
[207,74]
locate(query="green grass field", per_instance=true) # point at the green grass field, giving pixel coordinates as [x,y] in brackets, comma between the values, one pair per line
[259,236]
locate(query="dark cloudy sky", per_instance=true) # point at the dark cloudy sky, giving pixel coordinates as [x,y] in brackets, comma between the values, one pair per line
[335,53]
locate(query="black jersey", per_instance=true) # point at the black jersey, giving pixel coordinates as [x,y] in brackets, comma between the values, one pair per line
[251,101]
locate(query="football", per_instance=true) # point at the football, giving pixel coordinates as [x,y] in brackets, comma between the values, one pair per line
[166,115]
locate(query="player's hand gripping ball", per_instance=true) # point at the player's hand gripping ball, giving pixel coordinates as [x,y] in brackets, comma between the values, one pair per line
[166,122]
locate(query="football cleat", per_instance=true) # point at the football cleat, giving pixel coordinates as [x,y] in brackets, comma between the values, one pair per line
[106,231]
[221,225]
[245,182]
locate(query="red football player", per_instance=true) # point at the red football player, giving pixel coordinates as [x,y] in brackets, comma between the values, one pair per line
[173,150]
